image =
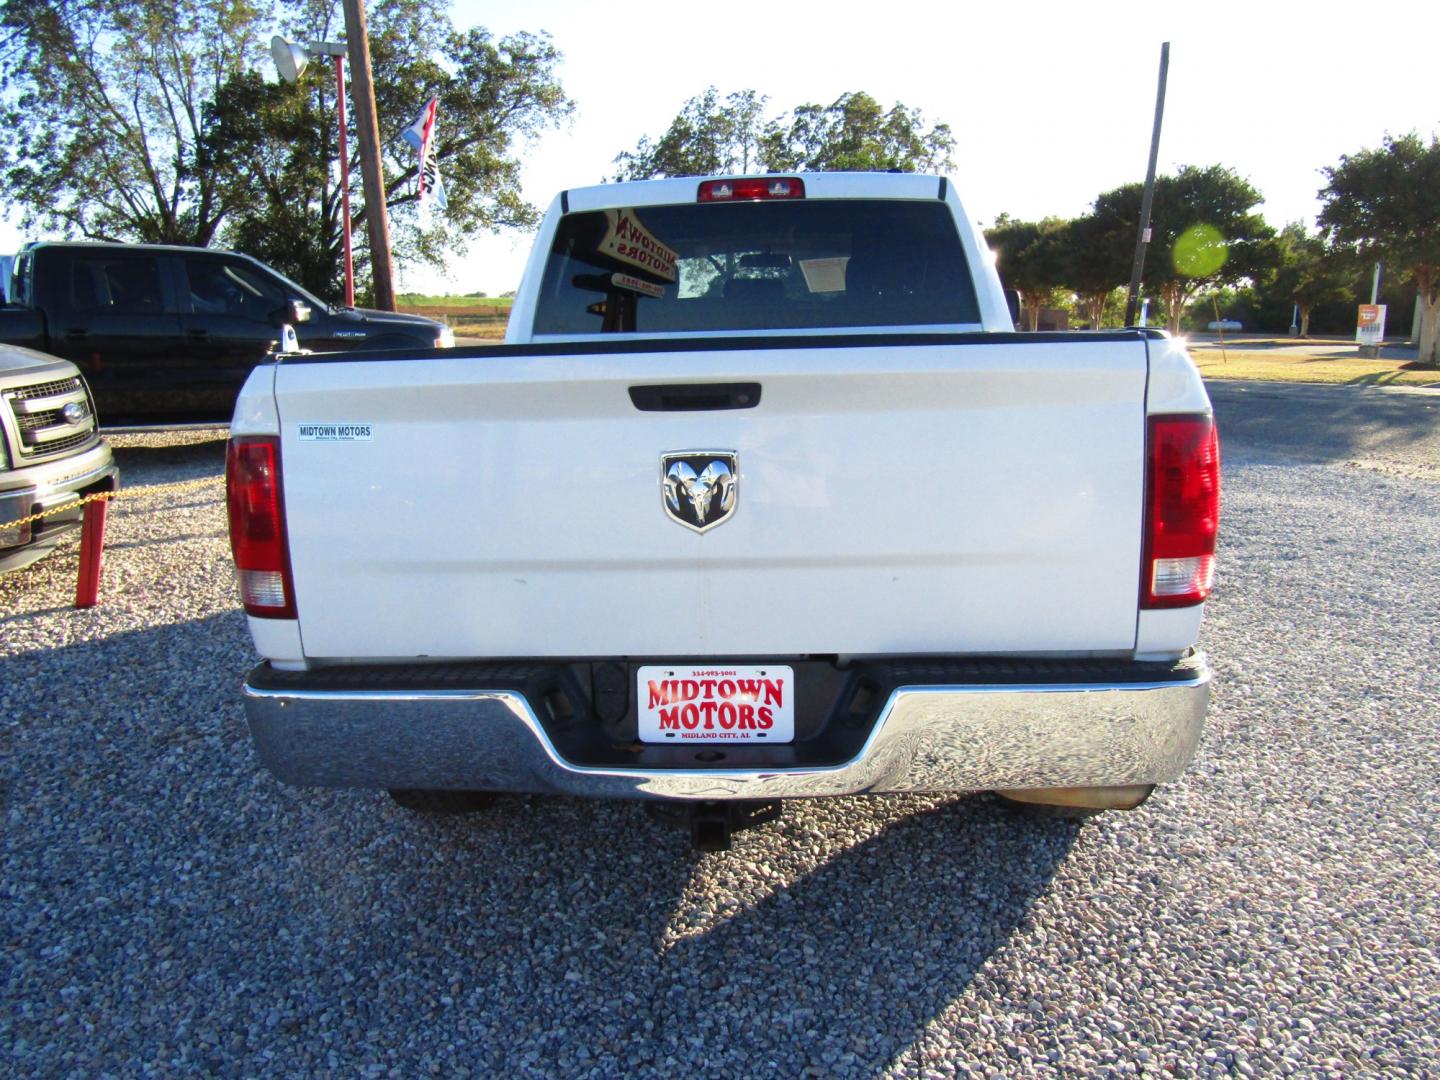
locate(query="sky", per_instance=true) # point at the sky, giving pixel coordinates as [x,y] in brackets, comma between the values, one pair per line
[1049,103]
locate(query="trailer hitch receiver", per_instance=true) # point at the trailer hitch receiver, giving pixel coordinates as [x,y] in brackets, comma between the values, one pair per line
[712,821]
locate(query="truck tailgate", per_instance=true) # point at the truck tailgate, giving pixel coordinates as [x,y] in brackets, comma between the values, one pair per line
[955,496]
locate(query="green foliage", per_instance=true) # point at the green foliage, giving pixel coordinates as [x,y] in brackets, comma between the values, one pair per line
[731,137]
[149,120]
[104,123]
[1214,197]
[1095,255]
[491,93]
[1310,272]
[1031,258]
[1238,303]
[707,137]
[1383,204]
[855,134]
[273,145]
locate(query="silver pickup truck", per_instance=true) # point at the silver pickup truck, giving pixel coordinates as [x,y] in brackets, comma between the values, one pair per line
[50,452]
[762,498]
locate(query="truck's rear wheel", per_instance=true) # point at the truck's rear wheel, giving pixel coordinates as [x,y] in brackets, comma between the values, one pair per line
[440,801]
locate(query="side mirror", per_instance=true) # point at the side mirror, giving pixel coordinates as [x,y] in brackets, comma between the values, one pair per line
[294,311]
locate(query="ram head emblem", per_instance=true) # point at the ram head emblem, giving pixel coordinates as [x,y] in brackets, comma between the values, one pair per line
[700,487]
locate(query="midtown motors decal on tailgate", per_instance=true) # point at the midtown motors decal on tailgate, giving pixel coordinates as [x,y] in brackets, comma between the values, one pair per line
[716,704]
[334,432]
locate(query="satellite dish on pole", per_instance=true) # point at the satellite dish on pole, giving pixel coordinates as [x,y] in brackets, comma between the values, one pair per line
[290,59]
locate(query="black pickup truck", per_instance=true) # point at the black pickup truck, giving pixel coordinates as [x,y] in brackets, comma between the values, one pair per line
[167,335]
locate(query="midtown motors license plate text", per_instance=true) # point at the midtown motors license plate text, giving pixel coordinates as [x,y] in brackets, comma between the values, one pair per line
[716,704]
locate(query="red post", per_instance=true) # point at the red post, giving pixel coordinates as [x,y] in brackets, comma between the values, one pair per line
[344,180]
[92,545]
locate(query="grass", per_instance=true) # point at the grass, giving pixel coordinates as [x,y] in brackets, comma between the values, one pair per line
[454,303]
[1320,361]
[482,317]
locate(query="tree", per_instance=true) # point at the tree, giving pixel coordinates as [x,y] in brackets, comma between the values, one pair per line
[275,145]
[1310,272]
[1382,204]
[854,134]
[143,120]
[1204,233]
[104,115]
[279,142]
[1030,258]
[1095,256]
[706,137]
[493,93]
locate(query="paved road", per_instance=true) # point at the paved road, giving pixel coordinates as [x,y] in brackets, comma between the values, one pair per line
[166,908]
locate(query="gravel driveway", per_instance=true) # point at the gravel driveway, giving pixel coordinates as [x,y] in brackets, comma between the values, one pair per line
[167,908]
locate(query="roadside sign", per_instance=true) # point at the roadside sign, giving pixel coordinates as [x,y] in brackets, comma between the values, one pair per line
[1370,326]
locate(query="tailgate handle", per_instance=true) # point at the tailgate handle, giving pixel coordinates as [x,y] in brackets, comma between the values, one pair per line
[695,397]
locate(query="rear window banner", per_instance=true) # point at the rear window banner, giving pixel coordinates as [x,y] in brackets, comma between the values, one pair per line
[635,284]
[627,240]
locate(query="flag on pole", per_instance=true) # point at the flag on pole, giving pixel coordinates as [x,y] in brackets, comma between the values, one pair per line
[435,184]
[421,135]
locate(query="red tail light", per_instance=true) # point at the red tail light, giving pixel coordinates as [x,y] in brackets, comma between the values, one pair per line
[257,526]
[753,187]
[1182,511]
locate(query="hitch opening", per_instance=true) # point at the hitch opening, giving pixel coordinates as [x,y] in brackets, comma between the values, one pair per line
[713,821]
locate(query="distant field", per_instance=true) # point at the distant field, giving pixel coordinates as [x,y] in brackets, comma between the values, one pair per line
[415,301]
[468,316]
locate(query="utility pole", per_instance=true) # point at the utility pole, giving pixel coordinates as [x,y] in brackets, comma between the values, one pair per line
[1138,267]
[362,90]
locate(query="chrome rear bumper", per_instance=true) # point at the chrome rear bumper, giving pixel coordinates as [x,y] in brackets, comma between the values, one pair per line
[925,738]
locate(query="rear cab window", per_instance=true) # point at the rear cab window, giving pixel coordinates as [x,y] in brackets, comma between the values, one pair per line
[116,282]
[768,265]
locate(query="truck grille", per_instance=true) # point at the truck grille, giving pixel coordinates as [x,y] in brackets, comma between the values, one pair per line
[46,389]
[37,413]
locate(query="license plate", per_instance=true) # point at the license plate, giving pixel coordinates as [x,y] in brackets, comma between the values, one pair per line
[716,704]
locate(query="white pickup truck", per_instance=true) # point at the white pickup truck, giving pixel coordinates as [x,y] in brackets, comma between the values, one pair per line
[763,497]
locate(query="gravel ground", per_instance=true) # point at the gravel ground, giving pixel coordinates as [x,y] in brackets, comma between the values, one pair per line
[167,908]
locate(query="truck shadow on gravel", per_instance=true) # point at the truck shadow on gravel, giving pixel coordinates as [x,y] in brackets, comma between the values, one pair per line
[797,951]
[853,961]
[1278,421]
[226,918]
